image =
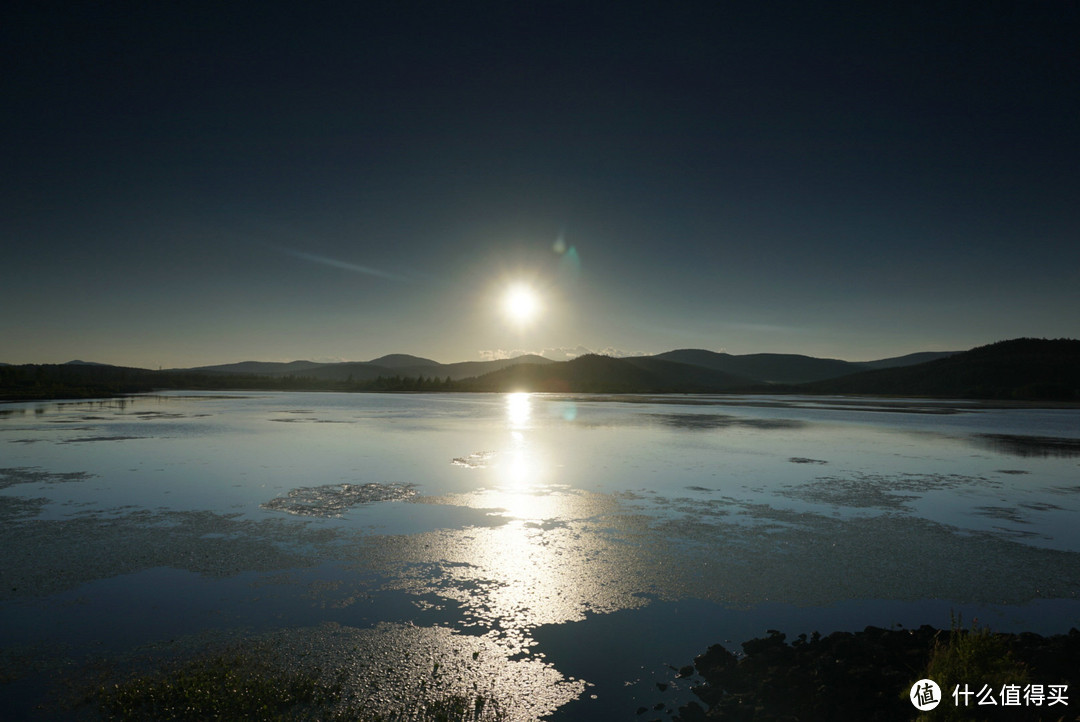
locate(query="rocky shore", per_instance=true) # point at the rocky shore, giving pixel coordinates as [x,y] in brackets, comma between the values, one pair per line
[867,676]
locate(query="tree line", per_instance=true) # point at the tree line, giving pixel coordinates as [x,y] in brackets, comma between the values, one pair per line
[53,381]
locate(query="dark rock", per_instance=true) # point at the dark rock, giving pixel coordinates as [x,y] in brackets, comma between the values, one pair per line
[774,641]
[692,712]
[716,657]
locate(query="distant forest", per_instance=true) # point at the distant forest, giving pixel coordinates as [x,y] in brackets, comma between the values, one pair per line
[1020,369]
[81,381]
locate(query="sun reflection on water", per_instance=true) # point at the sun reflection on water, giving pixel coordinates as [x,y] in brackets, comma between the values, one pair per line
[519,410]
[532,561]
[522,470]
[536,565]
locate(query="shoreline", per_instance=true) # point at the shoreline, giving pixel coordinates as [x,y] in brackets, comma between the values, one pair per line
[868,402]
[864,675]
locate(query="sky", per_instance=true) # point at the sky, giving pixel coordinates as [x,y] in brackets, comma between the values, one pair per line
[199,183]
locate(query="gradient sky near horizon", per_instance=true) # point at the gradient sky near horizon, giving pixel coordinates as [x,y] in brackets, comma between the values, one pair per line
[200,183]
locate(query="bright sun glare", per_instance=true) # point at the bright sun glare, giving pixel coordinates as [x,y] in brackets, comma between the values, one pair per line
[521,303]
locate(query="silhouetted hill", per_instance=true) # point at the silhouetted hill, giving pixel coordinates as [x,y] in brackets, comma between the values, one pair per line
[264,368]
[583,374]
[402,360]
[350,371]
[603,374]
[78,362]
[675,373]
[910,359]
[1023,368]
[368,370]
[771,368]
[1020,369]
[468,369]
[1017,369]
[750,369]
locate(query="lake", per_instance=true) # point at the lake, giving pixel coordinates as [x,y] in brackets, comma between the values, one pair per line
[564,554]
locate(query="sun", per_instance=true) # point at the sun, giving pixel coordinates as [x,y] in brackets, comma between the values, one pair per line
[521,304]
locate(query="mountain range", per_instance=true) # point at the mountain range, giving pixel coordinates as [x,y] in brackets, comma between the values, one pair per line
[762,368]
[398,364]
[1016,369]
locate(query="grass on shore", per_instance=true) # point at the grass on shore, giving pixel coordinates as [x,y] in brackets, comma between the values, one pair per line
[972,657]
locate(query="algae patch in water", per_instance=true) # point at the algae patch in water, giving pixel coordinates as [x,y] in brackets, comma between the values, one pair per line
[238,684]
[331,500]
[18,508]
[706,422]
[86,439]
[1030,446]
[47,556]
[878,491]
[391,672]
[34,475]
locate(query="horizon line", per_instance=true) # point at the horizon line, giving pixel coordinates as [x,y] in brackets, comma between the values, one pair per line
[162,367]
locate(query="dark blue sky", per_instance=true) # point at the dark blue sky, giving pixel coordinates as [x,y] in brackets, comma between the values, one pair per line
[188,184]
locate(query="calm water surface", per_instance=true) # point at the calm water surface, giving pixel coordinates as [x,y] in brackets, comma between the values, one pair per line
[562,553]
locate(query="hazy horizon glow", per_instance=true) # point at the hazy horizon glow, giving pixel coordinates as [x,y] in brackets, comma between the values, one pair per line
[188,186]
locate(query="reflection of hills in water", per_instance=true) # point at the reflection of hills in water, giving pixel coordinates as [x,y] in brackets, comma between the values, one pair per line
[1019,445]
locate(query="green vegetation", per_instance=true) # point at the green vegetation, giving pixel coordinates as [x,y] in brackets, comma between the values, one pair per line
[974,657]
[244,685]
[233,686]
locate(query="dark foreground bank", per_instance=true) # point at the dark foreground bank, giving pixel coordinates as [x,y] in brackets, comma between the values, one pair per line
[868,675]
[865,676]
